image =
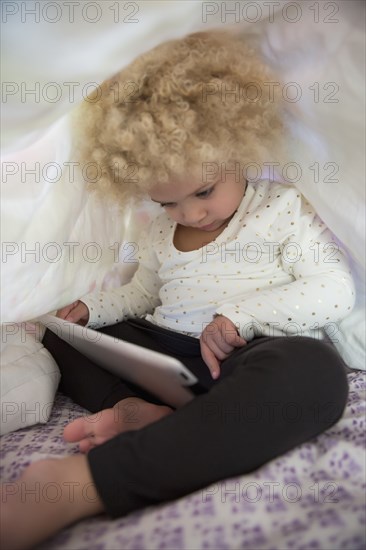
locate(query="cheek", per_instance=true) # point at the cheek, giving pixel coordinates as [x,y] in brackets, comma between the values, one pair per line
[231,202]
[231,197]
[173,213]
[239,194]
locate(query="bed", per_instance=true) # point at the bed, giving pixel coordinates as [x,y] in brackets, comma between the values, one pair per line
[313,497]
[54,251]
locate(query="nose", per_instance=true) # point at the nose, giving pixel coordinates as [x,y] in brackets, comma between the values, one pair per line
[192,215]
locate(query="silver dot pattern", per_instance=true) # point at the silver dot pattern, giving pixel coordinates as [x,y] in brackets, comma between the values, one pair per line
[275,269]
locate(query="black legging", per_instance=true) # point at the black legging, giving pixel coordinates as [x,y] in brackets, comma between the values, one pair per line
[273,394]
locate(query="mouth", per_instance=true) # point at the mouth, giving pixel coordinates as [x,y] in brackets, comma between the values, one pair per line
[209,227]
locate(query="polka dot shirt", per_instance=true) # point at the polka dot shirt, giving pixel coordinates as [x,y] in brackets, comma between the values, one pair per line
[275,270]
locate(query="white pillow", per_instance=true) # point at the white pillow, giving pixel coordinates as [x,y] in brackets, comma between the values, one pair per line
[29,377]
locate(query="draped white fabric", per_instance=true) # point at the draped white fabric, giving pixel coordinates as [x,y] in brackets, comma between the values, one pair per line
[58,243]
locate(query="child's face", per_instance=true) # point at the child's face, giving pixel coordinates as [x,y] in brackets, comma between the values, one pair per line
[204,206]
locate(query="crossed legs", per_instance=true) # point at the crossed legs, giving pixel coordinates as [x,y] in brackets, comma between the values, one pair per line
[275,394]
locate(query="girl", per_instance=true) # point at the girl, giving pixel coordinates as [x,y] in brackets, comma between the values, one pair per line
[236,278]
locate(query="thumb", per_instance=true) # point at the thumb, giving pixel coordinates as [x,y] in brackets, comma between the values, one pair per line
[239,341]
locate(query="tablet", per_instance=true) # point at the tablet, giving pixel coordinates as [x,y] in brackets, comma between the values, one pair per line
[163,376]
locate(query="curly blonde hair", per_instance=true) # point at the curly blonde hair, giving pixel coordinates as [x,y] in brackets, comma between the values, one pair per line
[201,99]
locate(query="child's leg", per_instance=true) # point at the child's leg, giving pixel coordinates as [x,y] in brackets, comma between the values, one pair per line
[280,392]
[125,406]
[85,382]
[131,413]
[95,388]
[274,395]
[28,517]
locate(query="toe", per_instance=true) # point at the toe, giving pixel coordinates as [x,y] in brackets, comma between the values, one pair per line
[77,430]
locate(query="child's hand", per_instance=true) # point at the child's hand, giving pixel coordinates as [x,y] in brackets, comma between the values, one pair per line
[218,340]
[77,312]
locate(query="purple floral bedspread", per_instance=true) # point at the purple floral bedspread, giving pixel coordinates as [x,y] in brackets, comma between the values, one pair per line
[311,498]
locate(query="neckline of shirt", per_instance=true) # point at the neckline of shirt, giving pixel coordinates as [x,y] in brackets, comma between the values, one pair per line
[248,196]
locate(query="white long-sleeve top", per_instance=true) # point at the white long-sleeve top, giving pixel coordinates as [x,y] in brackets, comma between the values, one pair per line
[275,270]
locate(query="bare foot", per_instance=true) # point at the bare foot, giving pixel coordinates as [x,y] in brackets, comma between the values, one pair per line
[128,414]
[49,495]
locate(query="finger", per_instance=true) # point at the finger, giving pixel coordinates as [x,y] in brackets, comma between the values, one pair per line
[217,345]
[210,359]
[63,312]
[216,342]
[220,349]
[78,313]
[231,337]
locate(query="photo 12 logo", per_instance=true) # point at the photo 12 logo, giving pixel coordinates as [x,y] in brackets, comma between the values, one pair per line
[271,491]
[68,171]
[291,172]
[70,11]
[252,12]
[252,92]
[52,252]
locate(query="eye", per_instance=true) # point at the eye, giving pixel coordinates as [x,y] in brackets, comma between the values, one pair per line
[205,193]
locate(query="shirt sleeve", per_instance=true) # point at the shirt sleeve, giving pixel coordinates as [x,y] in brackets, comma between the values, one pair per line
[134,299]
[321,293]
